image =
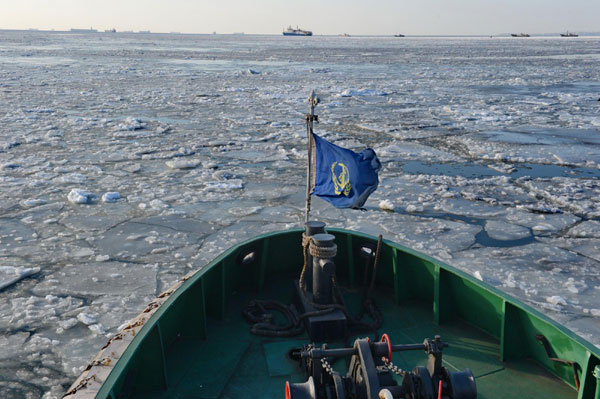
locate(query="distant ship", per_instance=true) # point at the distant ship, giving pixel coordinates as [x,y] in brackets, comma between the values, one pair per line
[519,34]
[569,34]
[296,32]
[344,35]
[113,30]
[399,35]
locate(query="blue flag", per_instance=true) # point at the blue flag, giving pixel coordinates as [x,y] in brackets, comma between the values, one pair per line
[342,177]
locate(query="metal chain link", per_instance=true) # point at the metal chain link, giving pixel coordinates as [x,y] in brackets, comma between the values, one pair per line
[326,366]
[392,367]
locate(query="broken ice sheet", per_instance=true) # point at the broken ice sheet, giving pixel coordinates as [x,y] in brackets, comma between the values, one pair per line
[139,237]
[500,230]
[9,275]
[409,150]
[588,247]
[116,135]
[536,272]
[554,145]
[100,278]
[585,229]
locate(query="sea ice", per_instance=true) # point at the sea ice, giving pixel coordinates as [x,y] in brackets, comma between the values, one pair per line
[386,205]
[68,323]
[362,92]
[111,196]
[556,300]
[500,230]
[9,275]
[87,318]
[410,150]
[32,202]
[131,124]
[511,150]
[412,208]
[225,185]
[97,329]
[182,163]
[585,229]
[76,178]
[77,196]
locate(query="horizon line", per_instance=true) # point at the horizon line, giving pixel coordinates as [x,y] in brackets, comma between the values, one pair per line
[108,31]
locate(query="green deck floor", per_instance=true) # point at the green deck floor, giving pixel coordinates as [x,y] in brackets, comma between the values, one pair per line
[234,364]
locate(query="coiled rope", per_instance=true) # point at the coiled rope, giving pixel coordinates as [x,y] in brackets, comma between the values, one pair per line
[257,311]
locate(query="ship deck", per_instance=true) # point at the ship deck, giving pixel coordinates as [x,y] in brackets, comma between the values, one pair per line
[193,342]
[232,363]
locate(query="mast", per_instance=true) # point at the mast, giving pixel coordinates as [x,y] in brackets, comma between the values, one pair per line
[313,100]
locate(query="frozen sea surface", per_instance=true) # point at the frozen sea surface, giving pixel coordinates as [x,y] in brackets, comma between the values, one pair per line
[127,161]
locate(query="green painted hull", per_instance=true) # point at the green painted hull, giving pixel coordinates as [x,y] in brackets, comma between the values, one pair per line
[176,350]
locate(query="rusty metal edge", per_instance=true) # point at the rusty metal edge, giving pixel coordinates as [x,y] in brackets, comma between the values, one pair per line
[87,385]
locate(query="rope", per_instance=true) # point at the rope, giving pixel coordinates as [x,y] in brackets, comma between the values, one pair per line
[309,129]
[305,243]
[257,311]
[322,252]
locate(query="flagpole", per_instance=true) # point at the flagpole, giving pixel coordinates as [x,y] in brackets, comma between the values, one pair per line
[312,101]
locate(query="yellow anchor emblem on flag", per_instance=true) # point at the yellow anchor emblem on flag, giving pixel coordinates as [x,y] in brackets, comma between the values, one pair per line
[341,182]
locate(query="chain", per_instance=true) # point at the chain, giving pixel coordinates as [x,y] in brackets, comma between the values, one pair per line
[326,366]
[392,367]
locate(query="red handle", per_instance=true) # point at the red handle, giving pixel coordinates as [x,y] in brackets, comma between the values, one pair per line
[386,338]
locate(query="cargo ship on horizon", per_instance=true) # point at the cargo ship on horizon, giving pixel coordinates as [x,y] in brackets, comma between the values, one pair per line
[296,32]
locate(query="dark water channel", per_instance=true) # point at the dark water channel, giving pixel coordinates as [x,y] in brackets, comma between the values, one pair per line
[543,171]
[482,238]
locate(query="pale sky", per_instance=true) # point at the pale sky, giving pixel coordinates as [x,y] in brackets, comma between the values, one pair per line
[327,17]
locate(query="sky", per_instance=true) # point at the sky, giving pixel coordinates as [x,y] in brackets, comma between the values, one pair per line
[327,17]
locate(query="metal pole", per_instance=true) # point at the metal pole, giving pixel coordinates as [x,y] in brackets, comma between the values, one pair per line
[313,101]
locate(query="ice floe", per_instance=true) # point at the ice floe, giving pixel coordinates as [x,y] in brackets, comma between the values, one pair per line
[500,230]
[386,205]
[9,275]
[182,163]
[362,92]
[556,300]
[111,196]
[78,196]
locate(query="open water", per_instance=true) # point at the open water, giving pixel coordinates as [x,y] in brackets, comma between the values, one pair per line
[129,160]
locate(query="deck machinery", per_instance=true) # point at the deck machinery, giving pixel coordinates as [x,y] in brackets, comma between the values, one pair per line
[320,311]
[370,373]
